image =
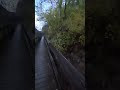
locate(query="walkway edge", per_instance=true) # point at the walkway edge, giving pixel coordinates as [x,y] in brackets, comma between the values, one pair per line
[53,65]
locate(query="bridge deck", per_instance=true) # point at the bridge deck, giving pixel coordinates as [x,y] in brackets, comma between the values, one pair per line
[15,63]
[44,78]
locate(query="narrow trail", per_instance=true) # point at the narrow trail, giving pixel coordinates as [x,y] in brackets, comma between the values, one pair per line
[44,78]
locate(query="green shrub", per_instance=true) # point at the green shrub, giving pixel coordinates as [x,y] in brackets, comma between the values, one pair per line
[63,32]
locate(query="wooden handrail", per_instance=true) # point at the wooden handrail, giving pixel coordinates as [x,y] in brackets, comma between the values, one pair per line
[69,77]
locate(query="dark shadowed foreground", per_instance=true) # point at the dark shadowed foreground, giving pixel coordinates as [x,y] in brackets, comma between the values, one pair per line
[15,63]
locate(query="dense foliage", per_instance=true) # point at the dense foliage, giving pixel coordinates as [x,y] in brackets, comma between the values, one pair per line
[66,24]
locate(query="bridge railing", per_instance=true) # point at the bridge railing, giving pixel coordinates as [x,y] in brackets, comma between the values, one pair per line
[68,76]
[28,41]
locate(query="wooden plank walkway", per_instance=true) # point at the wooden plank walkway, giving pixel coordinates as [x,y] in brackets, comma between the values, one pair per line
[44,77]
